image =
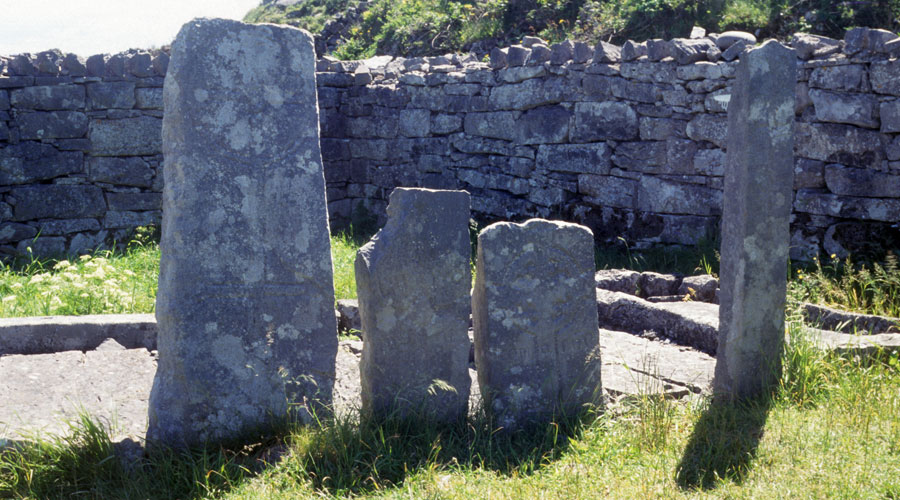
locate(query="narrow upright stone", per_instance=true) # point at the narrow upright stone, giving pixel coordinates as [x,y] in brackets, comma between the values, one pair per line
[413,283]
[535,313]
[755,222]
[245,305]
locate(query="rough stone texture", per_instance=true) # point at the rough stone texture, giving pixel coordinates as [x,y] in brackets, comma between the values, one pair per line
[848,322]
[702,287]
[755,222]
[56,200]
[49,334]
[412,284]
[126,136]
[245,300]
[535,322]
[655,284]
[454,122]
[694,324]
[618,280]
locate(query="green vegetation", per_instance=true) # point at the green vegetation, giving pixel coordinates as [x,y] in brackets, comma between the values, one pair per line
[831,430]
[310,15]
[432,27]
[105,282]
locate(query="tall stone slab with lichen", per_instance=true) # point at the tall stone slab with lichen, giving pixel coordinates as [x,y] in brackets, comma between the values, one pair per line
[535,316]
[755,222]
[413,282]
[245,305]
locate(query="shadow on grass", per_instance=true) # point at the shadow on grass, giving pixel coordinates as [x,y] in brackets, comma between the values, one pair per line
[723,444]
[336,457]
[353,459]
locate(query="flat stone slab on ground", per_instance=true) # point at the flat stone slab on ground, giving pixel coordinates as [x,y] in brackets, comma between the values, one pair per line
[42,392]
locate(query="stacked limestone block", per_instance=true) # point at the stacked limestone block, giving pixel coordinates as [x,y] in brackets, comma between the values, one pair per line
[80,149]
[628,140]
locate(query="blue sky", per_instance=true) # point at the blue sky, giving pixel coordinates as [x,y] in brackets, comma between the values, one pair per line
[88,27]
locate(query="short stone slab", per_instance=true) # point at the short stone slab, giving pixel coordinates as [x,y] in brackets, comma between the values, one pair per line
[536,346]
[694,324]
[847,343]
[413,280]
[50,334]
[834,319]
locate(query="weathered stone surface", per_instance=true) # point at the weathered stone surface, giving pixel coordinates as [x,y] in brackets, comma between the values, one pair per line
[654,284]
[48,97]
[729,38]
[809,174]
[49,334]
[536,344]
[885,77]
[632,50]
[702,287]
[415,122]
[517,55]
[43,246]
[755,221]
[52,124]
[852,344]
[68,226]
[609,190]
[148,98]
[413,283]
[855,109]
[836,143]
[499,57]
[861,182]
[659,195]
[710,162]
[710,128]
[702,70]
[808,45]
[848,322]
[694,324]
[126,137]
[14,232]
[574,158]
[890,117]
[57,201]
[133,201]
[689,51]
[540,54]
[349,322]
[561,53]
[618,280]
[847,77]
[604,120]
[607,53]
[42,393]
[530,94]
[106,95]
[124,219]
[27,162]
[121,171]
[581,53]
[658,50]
[847,207]
[246,301]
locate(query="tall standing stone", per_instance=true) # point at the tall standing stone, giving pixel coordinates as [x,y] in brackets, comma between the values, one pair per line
[413,283]
[245,305]
[535,314]
[755,222]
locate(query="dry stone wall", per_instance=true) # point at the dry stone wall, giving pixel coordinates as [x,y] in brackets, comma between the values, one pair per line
[629,140]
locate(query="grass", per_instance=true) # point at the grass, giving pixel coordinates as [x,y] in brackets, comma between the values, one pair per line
[832,435]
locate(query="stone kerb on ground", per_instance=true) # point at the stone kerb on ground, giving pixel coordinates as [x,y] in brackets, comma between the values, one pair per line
[413,280]
[245,306]
[629,141]
[535,321]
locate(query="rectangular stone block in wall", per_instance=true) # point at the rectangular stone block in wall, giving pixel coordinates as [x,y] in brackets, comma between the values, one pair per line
[535,316]
[413,283]
[136,136]
[756,222]
[245,305]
